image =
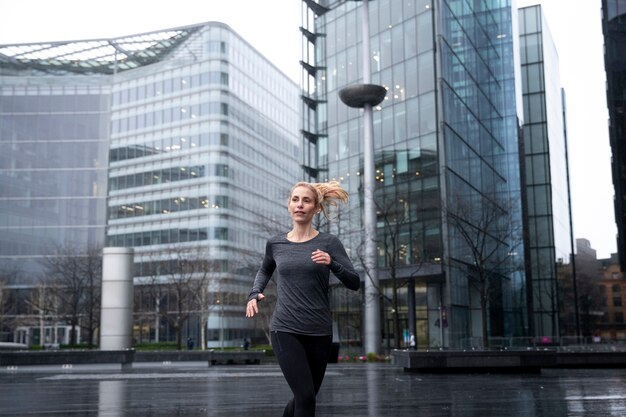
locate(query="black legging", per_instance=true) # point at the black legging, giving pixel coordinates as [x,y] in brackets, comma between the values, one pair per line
[303,360]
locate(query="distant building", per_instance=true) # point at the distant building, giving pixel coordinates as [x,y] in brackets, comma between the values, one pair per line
[614,30]
[585,250]
[184,139]
[611,325]
[601,303]
[579,294]
[601,289]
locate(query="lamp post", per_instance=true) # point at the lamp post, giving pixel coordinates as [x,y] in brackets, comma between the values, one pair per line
[366,96]
[219,302]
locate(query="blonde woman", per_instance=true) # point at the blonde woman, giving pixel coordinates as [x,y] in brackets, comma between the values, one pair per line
[301,326]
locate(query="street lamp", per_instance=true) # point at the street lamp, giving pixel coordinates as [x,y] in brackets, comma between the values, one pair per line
[219,302]
[366,96]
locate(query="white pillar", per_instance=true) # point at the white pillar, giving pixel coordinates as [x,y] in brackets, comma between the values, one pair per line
[116,313]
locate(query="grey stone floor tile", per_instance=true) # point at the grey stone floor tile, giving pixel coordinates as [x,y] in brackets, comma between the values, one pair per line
[355,390]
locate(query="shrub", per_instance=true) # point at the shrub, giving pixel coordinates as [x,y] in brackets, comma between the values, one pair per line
[156,346]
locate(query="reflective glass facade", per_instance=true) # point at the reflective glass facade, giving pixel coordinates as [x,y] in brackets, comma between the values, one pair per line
[53,168]
[447,129]
[546,170]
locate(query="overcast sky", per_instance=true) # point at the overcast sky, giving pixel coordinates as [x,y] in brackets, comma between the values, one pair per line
[272,28]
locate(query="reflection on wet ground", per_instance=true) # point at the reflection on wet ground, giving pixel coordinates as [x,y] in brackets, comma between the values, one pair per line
[349,390]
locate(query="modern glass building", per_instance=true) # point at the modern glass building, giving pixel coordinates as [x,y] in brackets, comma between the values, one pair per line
[447,161]
[178,141]
[54,130]
[614,30]
[549,223]
[204,149]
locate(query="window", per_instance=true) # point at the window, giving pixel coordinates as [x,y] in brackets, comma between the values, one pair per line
[221,201]
[221,170]
[617,295]
[532,51]
[220,233]
[531,18]
[410,39]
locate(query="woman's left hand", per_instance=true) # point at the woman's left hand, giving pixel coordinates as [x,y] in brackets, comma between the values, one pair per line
[320,257]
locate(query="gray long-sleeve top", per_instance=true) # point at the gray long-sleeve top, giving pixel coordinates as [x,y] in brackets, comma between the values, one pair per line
[302,305]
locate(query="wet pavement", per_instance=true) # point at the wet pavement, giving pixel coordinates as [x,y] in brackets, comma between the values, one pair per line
[354,390]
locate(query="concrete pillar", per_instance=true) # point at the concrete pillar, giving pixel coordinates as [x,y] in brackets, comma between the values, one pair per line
[116,315]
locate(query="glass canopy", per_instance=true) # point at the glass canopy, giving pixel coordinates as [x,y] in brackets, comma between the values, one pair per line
[104,56]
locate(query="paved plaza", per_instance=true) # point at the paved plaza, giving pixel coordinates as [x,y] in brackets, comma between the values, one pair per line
[360,389]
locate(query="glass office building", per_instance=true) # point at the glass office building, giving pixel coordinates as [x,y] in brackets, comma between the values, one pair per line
[54,131]
[613,29]
[446,152]
[184,139]
[204,149]
[550,235]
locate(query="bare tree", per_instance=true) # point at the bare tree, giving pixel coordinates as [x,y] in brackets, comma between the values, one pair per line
[6,306]
[266,308]
[151,293]
[144,312]
[186,274]
[204,309]
[92,272]
[395,214]
[487,236]
[75,277]
[393,220]
[180,283]
[42,304]
[396,217]
[591,300]
[250,262]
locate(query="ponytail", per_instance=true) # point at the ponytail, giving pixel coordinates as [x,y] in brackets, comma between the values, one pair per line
[327,194]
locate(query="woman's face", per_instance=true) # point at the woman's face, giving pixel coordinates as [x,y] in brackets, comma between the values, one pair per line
[302,207]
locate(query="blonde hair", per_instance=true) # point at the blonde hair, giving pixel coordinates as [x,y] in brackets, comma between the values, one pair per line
[326,194]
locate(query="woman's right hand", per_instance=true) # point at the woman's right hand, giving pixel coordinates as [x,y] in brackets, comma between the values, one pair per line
[252,308]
